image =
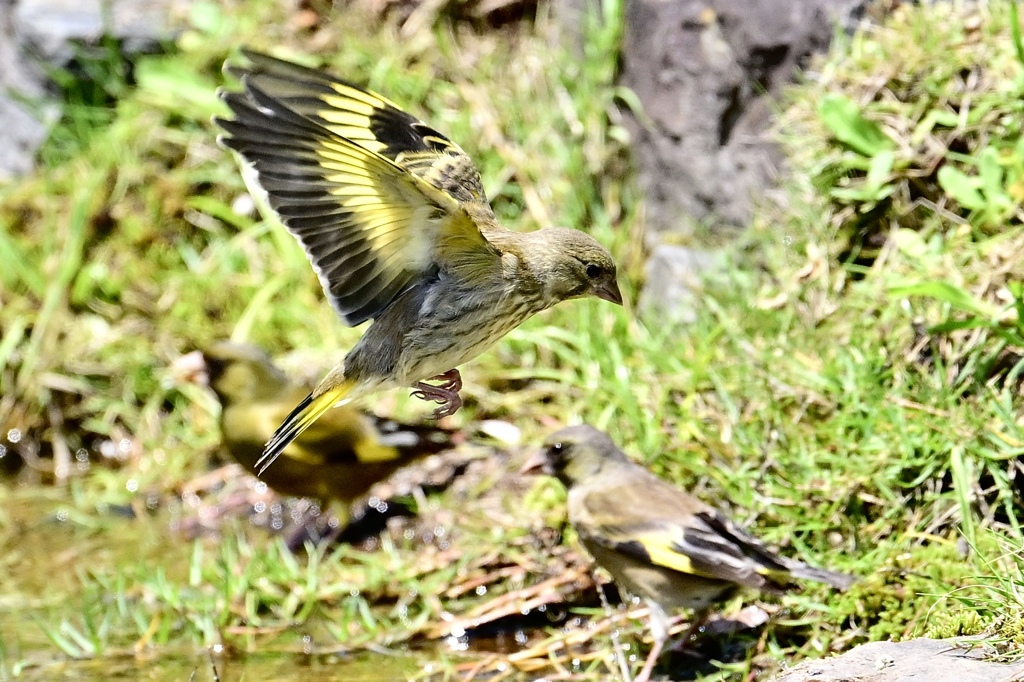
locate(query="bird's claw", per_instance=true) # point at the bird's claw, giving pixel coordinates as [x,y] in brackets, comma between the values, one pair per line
[450,380]
[445,394]
[448,407]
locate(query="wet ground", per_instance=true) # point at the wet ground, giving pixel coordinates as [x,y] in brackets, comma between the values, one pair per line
[93,592]
[76,576]
[201,667]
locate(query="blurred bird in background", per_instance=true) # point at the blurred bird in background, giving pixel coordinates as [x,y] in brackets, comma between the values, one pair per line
[393,217]
[340,458]
[658,541]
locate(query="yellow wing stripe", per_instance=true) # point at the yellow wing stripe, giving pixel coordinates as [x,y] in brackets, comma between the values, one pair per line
[662,555]
[371,99]
[347,111]
[360,166]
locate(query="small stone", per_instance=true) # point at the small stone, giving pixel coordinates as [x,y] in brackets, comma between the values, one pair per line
[674,280]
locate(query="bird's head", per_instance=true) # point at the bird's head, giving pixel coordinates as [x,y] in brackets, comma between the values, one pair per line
[573,454]
[239,372]
[572,264]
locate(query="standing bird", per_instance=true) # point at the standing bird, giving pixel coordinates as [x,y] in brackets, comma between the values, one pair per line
[657,541]
[393,217]
[340,458]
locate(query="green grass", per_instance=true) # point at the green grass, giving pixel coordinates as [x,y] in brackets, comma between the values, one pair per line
[849,390]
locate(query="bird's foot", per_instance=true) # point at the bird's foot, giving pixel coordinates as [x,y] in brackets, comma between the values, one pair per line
[686,643]
[446,394]
[450,380]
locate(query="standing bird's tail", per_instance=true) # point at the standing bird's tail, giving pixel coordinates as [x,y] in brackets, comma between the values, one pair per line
[840,581]
[300,419]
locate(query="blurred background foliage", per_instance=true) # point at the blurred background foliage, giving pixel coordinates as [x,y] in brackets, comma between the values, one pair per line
[849,386]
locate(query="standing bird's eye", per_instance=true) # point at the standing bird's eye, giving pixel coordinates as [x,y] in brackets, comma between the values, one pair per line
[556,448]
[593,271]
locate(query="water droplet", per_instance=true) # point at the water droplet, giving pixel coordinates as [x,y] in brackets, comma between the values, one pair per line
[260,507]
[481,590]
[457,643]
[132,485]
[14,435]
[260,487]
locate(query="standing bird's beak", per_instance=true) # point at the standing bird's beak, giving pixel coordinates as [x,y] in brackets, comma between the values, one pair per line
[608,290]
[536,464]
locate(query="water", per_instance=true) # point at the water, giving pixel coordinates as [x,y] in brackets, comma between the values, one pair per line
[198,666]
[50,553]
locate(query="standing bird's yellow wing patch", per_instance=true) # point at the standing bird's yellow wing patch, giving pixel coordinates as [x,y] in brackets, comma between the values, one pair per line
[371,228]
[655,523]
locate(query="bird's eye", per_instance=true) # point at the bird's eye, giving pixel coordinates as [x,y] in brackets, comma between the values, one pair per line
[593,271]
[556,448]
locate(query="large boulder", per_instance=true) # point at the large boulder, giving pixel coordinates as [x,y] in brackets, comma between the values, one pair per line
[707,74]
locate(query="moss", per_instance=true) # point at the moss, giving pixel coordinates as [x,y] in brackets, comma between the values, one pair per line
[957,624]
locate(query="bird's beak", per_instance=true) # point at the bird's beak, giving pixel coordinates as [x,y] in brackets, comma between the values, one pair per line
[536,464]
[609,291]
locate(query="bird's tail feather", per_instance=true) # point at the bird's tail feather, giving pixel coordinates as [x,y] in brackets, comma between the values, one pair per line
[840,581]
[300,419]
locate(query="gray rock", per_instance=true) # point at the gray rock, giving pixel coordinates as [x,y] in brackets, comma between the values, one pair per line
[51,27]
[916,660]
[22,127]
[706,73]
[21,133]
[36,31]
[674,277]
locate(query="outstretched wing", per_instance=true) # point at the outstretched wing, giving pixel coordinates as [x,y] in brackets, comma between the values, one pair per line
[371,228]
[368,119]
